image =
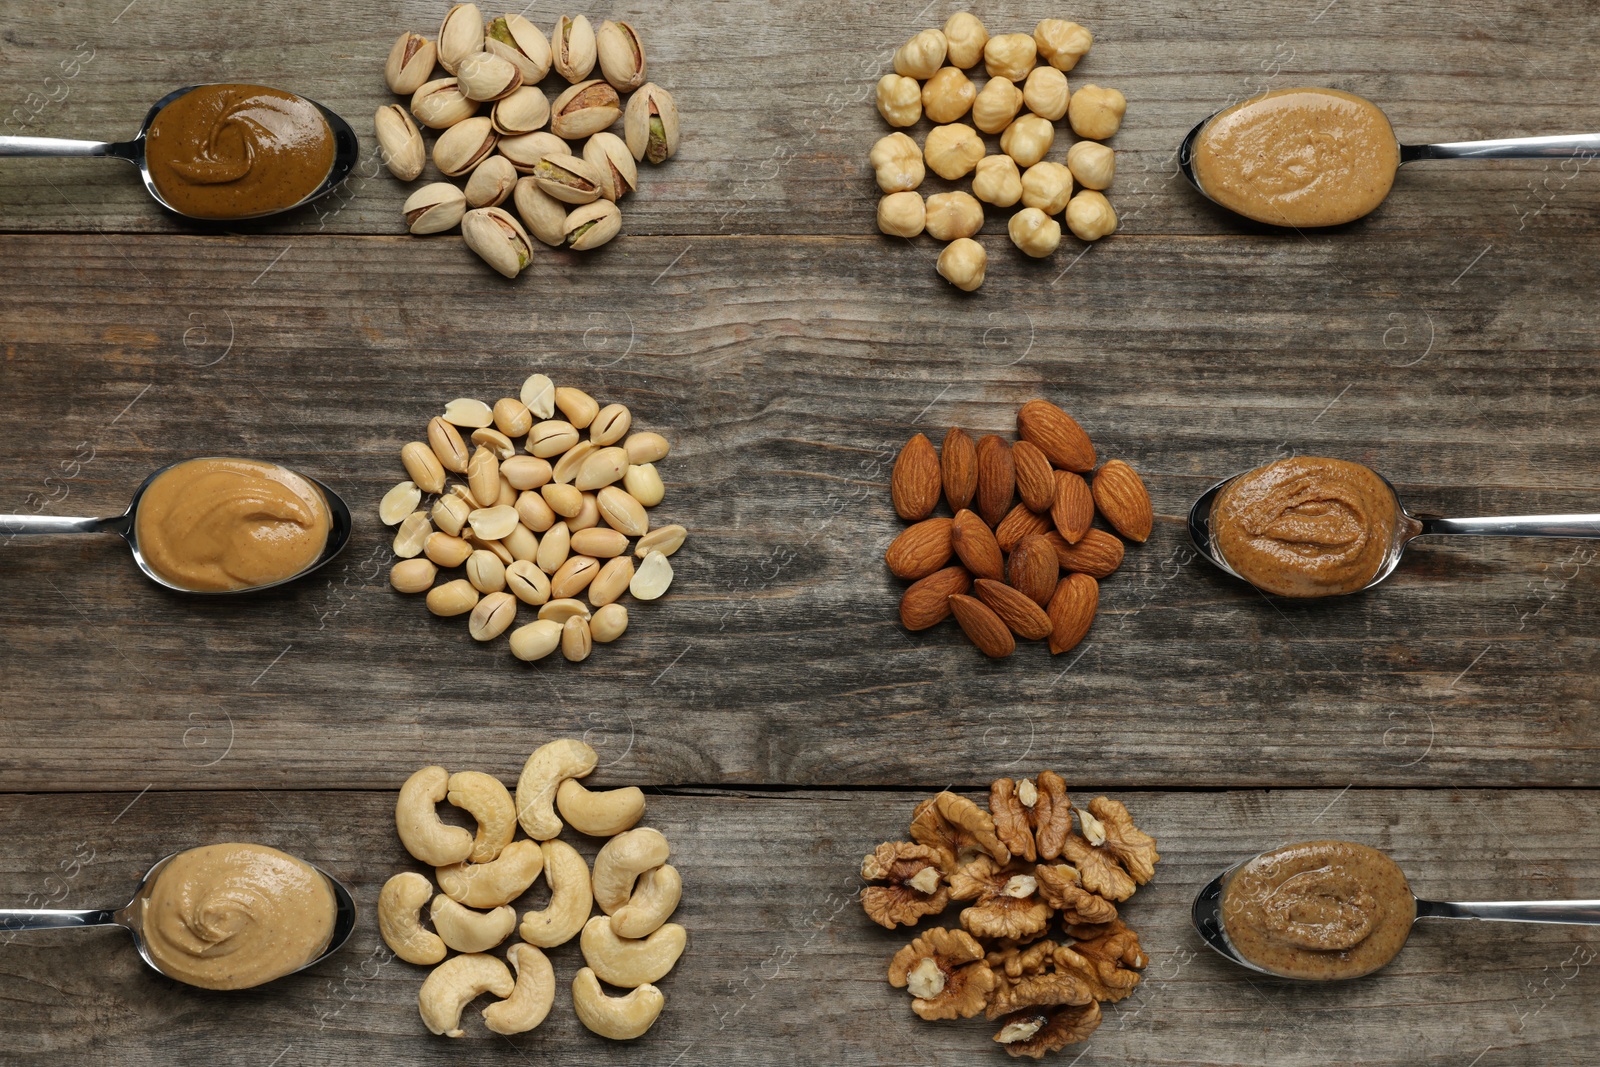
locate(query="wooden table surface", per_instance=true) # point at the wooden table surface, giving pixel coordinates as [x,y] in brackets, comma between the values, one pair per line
[781,720]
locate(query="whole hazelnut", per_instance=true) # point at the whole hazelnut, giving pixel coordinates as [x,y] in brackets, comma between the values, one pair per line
[1096,113]
[1046,93]
[996,181]
[947,95]
[1010,55]
[996,105]
[952,151]
[1089,216]
[965,37]
[899,100]
[1036,233]
[897,163]
[952,216]
[921,56]
[1028,139]
[962,263]
[901,214]
[1092,163]
[1047,186]
[1061,44]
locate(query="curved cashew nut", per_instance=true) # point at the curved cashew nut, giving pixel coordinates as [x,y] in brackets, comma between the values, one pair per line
[622,962]
[619,1018]
[570,898]
[486,800]
[454,984]
[500,881]
[655,897]
[546,769]
[466,930]
[400,922]
[530,1001]
[602,814]
[424,836]
[622,860]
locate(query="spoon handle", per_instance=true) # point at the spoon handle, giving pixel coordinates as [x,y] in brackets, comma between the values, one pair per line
[1581,145]
[1585,912]
[54,146]
[52,919]
[1518,526]
[59,524]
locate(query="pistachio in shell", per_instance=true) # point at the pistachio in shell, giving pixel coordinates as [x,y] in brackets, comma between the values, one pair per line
[585,108]
[568,178]
[515,38]
[410,62]
[524,111]
[543,214]
[619,175]
[525,150]
[651,124]
[400,142]
[440,104]
[485,77]
[463,146]
[621,55]
[460,35]
[434,208]
[572,48]
[498,239]
[592,225]
[491,182]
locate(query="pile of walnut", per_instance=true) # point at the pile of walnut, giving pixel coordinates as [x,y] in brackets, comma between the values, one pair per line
[1012,558]
[1020,867]
[631,946]
[1021,102]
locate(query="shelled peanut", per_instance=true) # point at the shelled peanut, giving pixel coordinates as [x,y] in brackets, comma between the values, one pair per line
[541,527]
[1029,562]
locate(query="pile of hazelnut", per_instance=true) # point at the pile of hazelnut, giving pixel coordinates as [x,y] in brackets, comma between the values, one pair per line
[1021,868]
[1021,102]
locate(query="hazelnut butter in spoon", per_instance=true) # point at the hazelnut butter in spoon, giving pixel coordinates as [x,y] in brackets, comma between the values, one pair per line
[225,152]
[1321,157]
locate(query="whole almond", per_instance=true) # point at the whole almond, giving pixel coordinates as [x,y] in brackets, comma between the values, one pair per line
[920,550]
[1073,508]
[1072,610]
[1019,523]
[1097,555]
[1033,570]
[916,480]
[927,602]
[1120,495]
[1036,482]
[959,459]
[983,627]
[974,543]
[1022,615]
[1056,434]
[996,479]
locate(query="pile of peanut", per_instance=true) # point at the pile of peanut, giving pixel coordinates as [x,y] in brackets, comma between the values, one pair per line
[631,945]
[1031,570]
[1021,102]
[541,528]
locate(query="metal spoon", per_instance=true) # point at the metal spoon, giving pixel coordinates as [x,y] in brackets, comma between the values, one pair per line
[128,917]
[1206,914]
[1565,146]
[124,527]
[346,150]
[1407,529]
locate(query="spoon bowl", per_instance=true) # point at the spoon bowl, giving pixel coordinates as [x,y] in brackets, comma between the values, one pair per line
[128,917]
[346,152]
[124,526]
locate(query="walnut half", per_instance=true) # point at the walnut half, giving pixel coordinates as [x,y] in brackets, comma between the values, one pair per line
[1037,1031]
[914,877]
[945,973]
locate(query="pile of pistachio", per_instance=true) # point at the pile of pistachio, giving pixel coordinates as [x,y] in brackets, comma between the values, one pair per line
[1021,102]
[566,196]
[541,528]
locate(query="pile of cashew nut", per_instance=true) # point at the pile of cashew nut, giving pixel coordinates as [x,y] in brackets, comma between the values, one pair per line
[481,875]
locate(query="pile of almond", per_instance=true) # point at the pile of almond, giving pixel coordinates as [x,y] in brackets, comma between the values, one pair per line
[1030,568]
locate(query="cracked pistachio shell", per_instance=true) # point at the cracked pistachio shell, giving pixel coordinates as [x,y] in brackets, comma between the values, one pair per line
[609,155]
[543,214]
[400,142]
[568,179]
[524,111]
[410,62]
[491,182]
[527,149]
[434,208]
[621,55]
[486,77]
[463,146]
[439,104]
[498,238]
[572,48]
[460,35]
[651,124]
[515,38]
[583,109]
[592,225]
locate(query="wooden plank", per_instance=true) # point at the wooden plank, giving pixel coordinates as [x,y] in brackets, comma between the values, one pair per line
[787,375]
[783,967]
[777,103]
